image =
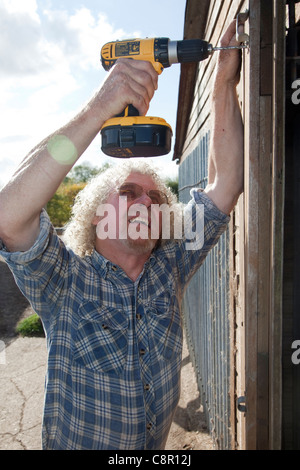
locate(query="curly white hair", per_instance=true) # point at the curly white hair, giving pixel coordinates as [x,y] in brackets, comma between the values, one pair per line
[80,233]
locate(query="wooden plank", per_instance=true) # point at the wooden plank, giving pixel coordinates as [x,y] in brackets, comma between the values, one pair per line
[252,136]
[266,81]
[263,240]
[240,322]
[232,322]
[277,225]
[263,274]
[264,211]
[240,385]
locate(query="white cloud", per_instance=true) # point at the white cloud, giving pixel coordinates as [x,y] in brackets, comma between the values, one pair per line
[45,58]
[48,57]
[81,35]
[21,6]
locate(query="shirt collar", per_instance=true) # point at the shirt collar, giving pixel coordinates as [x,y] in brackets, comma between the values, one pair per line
[100,263]
[104,266]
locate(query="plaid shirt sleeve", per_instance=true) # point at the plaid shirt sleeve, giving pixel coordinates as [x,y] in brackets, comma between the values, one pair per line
[42,272]
[203,226]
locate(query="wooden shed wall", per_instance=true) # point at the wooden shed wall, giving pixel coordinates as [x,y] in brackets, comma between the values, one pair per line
[212,299]
[253,249]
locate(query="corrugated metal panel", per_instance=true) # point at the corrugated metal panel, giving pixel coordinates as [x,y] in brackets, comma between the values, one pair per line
[206,310]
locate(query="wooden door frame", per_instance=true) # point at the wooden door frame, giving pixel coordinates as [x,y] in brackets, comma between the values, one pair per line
[263,201]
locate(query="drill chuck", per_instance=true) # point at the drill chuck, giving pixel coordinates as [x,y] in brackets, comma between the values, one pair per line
[169,52]
[192,50]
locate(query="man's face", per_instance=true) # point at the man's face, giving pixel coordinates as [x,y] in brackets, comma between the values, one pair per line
[132,220]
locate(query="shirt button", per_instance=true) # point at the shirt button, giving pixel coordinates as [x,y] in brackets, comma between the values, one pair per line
[142,351]
[149,426]
[114,268]
[138,316]
[147,387]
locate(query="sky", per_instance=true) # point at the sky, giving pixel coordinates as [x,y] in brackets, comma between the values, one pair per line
[50,67]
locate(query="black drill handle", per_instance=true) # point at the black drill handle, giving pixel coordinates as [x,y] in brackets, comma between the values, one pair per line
[130,110]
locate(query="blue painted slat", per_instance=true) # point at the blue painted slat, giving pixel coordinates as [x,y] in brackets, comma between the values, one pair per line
[206,315]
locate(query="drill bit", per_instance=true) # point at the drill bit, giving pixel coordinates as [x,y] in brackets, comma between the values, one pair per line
[219,48]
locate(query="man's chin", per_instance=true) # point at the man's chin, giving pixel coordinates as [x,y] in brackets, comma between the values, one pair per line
[140,246]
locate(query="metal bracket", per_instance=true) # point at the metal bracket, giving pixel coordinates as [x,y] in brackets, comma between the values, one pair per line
[241,404]
[240,19]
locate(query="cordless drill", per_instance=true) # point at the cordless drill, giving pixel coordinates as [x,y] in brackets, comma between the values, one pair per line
[128,134]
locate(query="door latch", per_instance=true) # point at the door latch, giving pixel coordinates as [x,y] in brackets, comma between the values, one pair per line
[241,404]
[240,19]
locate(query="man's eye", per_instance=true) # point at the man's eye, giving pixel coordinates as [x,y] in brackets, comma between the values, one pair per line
[155,197]
[128,193]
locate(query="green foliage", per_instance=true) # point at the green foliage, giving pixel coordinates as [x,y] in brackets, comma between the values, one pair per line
[59,208]
[31,326]
[83,173]
[173,185]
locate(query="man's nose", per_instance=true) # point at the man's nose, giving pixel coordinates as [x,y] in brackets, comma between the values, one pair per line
[144,199]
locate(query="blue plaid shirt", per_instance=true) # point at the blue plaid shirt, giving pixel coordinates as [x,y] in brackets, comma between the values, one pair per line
[114,345]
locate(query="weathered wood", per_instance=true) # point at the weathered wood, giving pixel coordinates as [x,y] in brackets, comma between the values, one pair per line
[263,274]
[252,136]
[256,230]
[264,226]
[277,261]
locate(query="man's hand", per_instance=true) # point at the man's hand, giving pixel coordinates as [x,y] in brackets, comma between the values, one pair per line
[129,82]
[229,62]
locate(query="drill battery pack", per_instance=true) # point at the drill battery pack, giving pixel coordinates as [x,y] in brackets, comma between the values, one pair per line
[136,136]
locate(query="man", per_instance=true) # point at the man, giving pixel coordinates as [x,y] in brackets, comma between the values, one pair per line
[111,305]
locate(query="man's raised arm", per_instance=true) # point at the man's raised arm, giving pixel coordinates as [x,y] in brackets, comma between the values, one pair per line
[226,161]
[41,172]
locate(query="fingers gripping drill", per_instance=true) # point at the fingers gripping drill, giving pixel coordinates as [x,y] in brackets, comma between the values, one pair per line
[130,135]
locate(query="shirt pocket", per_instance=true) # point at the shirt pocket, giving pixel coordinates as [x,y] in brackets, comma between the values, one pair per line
[101,342]
[165,320]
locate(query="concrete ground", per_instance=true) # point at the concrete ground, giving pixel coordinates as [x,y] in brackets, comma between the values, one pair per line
[22,371]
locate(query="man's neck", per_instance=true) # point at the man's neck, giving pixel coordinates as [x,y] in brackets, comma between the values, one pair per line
[132,263]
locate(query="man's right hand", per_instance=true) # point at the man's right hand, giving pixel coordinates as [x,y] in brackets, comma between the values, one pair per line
[129,82]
